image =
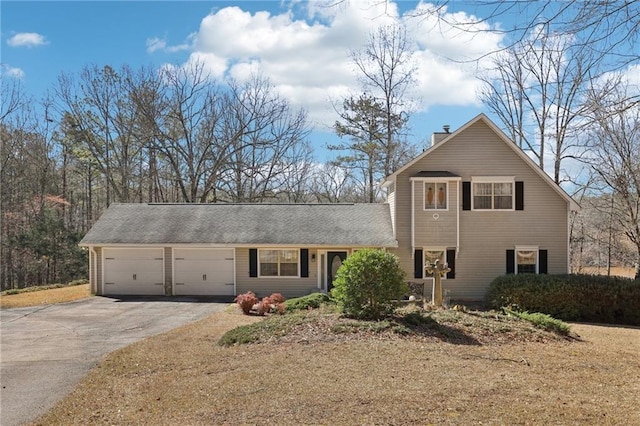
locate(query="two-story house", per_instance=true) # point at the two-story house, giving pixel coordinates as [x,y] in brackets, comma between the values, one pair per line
[473,199]
[477,201]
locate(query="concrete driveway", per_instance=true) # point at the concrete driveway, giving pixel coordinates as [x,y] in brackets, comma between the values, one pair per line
[45,351]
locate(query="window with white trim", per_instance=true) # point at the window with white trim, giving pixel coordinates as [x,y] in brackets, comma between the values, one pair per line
[431,255]
[279,263]
[435,196]
[493,195]
[527,260]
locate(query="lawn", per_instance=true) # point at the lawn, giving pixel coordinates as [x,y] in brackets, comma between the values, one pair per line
[312,375]
[45,297]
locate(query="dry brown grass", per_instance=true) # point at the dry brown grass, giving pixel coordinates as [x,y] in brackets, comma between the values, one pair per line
[617,271]
[183,377]
[45,297]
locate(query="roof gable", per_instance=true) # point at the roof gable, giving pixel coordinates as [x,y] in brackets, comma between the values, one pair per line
[354,225]
[502,137]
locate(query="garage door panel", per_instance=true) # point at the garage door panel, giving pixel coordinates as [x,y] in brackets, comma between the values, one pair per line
[134,271]
[204,272]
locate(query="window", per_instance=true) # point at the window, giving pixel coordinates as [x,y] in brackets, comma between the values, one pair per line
[435,196]
[433,255]
[278,263]
[493,195]
[527,261]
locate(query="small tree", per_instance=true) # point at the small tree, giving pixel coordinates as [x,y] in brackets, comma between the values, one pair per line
[368,283]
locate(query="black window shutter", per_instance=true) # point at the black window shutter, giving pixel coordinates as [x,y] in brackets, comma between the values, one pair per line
[304,263]
[451,260]
[511,261]
[519,195]
[466,195]
[417,264]
[253,262]
[542,262]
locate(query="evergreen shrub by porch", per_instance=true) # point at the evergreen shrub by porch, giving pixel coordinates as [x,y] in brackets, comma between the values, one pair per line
[369,283]
[589,298]
[310,301]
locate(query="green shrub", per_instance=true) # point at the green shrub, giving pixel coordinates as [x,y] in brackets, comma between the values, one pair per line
[272,327]
[239,336]
[310,301]
[589,298]
[368,284]
[542,321]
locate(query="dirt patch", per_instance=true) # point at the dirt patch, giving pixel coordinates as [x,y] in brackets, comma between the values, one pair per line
[45,297]
[184,377]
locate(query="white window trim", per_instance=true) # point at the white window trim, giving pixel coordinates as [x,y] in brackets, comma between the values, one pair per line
[424,259]
[424,194]
[526,248]
[278,276]
[494,179]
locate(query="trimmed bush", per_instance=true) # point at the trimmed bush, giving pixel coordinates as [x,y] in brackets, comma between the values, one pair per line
[310,301]
[369,283]
[246,301]
[276,298]
[264,306]
[589,298]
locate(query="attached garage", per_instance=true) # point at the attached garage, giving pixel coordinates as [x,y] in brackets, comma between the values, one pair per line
[203,271]
[135,271]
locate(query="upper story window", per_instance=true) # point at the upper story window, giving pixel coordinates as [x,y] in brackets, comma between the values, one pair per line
[435,196]
[493,193]
[279,263]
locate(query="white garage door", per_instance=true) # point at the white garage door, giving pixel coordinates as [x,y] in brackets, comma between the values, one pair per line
[133,271]
[203,272]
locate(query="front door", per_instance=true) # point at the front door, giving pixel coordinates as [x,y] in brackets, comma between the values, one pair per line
[334,261]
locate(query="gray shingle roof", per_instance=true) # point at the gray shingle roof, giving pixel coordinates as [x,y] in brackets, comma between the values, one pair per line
[278,224]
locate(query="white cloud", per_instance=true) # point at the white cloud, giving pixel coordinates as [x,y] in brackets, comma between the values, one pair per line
[27,40]
[9,71]
[156,43]
[307,57]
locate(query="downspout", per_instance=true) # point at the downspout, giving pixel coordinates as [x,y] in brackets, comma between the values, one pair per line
[413,220]
[568,239]
[457,218]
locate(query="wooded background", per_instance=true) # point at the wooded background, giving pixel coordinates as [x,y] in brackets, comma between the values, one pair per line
[173,134]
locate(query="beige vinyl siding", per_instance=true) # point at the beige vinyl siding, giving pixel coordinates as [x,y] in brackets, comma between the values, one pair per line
[289,287]
[429,231]
[168,271]
[391,200]
[485,235]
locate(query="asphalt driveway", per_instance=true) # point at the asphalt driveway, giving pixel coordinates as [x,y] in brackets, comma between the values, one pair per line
[45,351]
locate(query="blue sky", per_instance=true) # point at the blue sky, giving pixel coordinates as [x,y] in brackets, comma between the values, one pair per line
[302,47]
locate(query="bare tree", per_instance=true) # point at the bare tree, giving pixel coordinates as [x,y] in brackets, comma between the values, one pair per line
[615,157]
[334,184]
[12,97]
[266,140]
[536,89]
[181,113]
[605,28]
[386,71]
[103,117]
